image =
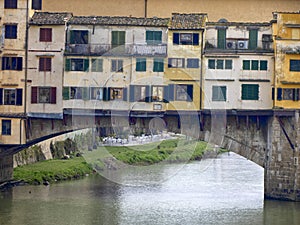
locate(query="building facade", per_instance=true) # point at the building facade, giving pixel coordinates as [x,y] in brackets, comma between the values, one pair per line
[286,32]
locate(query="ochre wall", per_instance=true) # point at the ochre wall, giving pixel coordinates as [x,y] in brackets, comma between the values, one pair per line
[232,10]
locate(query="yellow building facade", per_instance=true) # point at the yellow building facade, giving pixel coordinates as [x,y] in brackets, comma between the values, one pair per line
[286,33]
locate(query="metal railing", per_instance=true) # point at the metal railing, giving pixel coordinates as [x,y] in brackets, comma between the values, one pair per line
[126,50]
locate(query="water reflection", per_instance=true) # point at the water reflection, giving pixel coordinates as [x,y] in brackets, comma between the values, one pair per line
[226,190]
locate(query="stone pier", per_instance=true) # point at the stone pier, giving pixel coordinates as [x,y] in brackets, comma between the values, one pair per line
[6,168]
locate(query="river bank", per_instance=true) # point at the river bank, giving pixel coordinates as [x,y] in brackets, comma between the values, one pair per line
[170,151]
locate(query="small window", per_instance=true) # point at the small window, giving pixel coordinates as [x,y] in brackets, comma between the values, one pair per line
[153,37]
[184,92]
[117,38]
[139,94]
[10,96]
[157,93]
[36,4]
[96,93]
[45,34]
[10,4]
[140,65]
[228,64]
[250,91]
[211,64]
[158,65]
[11,31]
[263,65]
[97,65]
[76,93]
[295,65]
[11,63]
[220,64]
[186,38]
[43,95]
[116,93]
[176,63]
[6,127]
[218,93]
[77,64]
[116,65]
[288,94]
[45,64]
[246,64]
[254,65]
[79,37]
[192,63]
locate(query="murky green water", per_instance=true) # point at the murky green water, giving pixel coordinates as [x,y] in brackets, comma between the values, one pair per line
[226,190]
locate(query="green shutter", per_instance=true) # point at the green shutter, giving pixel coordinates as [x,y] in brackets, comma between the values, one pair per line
[72,37]
[68,65]
[250,91]
[158,65]
[246,64]
[86,65]
[221,38]
[66,93]
[158,37]
[263,65]
[228,64]
[220,64]
[85,93]
[253,39]
[254,65]
[141,64]
[211,64]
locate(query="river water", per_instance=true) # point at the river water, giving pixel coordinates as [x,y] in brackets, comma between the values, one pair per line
[224,190]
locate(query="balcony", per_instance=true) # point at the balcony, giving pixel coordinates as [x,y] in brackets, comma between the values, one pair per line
[122,50]
[232,45]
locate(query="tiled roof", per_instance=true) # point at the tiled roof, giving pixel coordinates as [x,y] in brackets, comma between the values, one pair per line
[122,21]
[49,18]
[260,24]
[191,21]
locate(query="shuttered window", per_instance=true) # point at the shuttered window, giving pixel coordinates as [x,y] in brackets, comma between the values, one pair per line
[36,4]
[11,96]
[6,127]
[45,34]
[221,38]
[153,37]
[43,95]
[97,65]
[117,38]
[219,93]
[186,38]
[295,65]
[12,63]
[11,31]
[45,64]
[158,65]
[253,34]
[10,4]
[77,64]
[141,65]
[250,91]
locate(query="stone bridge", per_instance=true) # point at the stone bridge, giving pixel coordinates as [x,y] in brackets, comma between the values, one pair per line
[269,138]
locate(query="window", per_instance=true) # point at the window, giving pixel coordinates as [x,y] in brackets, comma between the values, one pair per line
[10,4]
[253,34]
[255,65]
[78,93]
[219,93]
[117,65]
[96,93]
[186,38]
[6,127]
[140,65]
[295,65]
[77,65]
[220,64]
[36,4]
[184,92]
[289,94]
[45,64]
[221,38]
[11,96]
[45,34]
[11,63]
[158,65]
[138,93]
[79,37]
[176,63]
[11,31]
[117,38]
[192,63]
[116,93]
[43,95]
[97,65]
[250,91]
[157,93]
[153,37]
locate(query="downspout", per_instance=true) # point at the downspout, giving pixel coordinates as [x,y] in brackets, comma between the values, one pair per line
[201,70]
[146,8]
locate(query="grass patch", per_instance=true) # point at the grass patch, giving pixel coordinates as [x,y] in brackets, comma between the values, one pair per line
[52,170]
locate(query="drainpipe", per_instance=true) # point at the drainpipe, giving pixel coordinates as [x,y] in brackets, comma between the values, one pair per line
[146,8]
[201,68]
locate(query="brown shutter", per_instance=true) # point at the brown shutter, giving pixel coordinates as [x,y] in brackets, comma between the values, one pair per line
[33,95]
[53,95]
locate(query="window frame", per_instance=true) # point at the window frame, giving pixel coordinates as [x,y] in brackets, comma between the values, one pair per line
[252,95]
[96,93]
[220,64]
[45,64]
[255,65]
[117,65]
[116,94]
[153,37]
[176,62]
[6,127]
[185,38]
[36,4]
[11,31]
[45,35]
[296,67]
[219,93]
[158,65]
[159,96]
[193,63]
[80,37]
[10,4]
[12,63]
[141,65]
[97,65]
